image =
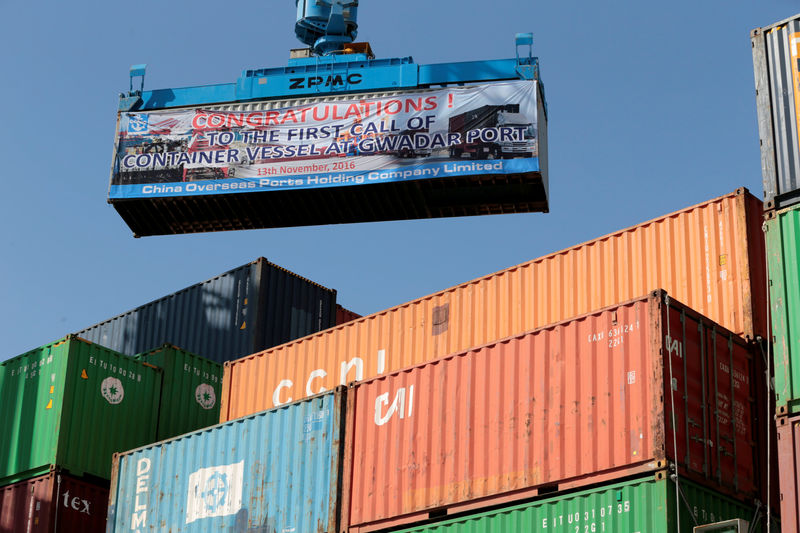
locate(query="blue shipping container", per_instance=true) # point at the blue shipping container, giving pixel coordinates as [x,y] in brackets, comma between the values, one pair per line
[278,470]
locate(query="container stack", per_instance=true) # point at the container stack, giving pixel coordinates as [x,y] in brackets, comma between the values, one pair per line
[776,60]
[68,406]
[612,386]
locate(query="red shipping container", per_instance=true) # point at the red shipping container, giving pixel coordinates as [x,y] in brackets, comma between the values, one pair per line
[789,471]
[54,502]
[584,401]
[343,316]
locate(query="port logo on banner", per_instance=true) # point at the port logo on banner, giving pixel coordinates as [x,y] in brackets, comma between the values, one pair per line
[215,491]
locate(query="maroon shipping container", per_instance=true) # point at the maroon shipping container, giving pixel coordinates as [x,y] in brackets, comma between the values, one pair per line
[344,315]
[789,471]
[584,401]
[56,502]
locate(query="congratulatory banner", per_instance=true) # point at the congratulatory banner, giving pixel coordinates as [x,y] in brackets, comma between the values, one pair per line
[482,129]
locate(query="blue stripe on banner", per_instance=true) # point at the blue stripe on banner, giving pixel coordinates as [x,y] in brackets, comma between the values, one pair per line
[323,180]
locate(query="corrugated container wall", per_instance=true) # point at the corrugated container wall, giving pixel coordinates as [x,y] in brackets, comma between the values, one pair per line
[645,505]
[776,62]
[73,404]
[789,469]
[190,390]
[249,308]
[511,420]
[783,253]
[53,503]
[710,256]
[275,471]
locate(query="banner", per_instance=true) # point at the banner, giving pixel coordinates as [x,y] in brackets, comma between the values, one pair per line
[481,129]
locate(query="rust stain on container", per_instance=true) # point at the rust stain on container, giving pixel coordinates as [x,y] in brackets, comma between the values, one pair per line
[511,420]
[679,252]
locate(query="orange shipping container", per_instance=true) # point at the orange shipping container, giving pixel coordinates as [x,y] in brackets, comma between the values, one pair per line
[577,403]
[710,256]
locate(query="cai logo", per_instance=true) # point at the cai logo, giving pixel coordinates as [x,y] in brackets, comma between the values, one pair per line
[138,123]
[112,391]
[205,396]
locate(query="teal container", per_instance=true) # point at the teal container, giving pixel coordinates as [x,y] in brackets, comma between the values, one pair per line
[72,404]
[190,392]
[783,260]
[644,505]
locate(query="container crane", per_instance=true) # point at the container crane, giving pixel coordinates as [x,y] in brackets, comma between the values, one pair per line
[376,111]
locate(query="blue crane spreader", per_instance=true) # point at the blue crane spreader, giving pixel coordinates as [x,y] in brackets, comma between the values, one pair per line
[336,136]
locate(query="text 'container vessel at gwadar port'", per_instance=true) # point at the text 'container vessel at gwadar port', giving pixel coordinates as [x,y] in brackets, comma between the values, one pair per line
[783,253]
[642,505]
[72,404]
[54,503]
[250,308]
[190,390]
[278,470]
[710,256]
[577,403]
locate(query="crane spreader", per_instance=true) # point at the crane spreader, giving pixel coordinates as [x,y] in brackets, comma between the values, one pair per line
[335,136]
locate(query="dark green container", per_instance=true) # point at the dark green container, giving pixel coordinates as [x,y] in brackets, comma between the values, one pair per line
[783,260]
[73,404]
[644,505]
[190,392]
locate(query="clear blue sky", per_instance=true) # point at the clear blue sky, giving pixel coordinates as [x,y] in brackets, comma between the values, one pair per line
[652,108]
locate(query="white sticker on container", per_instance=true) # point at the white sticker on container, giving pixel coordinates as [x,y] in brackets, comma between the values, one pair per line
[205,396]
[112,391]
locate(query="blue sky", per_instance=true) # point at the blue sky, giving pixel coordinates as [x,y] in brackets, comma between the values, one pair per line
[651,108]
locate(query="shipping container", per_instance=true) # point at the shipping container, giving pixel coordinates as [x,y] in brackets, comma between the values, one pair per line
[789,470]
[776,62]
[72,404]
[277,471]
[345,315]
[783,255]
[512,420]
[190,390]
[642,505]
[54,503]
[249,308]
[710,256]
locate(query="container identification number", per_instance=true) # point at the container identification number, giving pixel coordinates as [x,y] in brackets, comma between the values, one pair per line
[614,336]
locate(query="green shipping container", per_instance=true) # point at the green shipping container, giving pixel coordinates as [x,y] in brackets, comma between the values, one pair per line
[190,390]
[73,404]
[644,505]
[783,260]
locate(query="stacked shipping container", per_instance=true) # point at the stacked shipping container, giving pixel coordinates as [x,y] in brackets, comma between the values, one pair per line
[249,308]
[277,471]
[711,254]
[489,426]
[783,246]
[54,427]
[776,60]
